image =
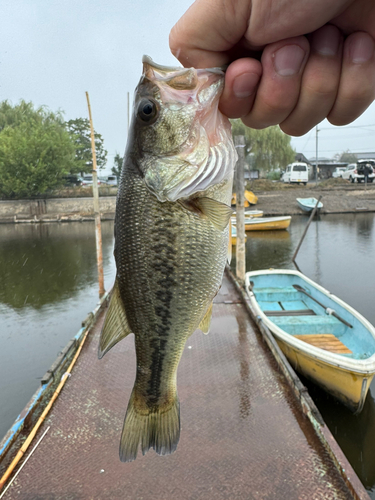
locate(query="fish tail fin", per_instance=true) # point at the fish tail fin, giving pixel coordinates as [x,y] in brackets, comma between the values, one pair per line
[157,428]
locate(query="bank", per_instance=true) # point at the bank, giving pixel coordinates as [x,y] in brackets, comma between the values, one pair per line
[273,199]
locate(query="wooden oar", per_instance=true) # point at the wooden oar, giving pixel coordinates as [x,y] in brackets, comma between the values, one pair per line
[331,311]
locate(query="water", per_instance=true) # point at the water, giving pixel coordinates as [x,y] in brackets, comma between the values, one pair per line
[48,283]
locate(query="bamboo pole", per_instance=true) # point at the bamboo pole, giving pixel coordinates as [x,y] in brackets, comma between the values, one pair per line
[98,229]
[306,228]
[32,434]
[239,142]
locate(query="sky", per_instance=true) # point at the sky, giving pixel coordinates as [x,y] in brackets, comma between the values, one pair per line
[52,52]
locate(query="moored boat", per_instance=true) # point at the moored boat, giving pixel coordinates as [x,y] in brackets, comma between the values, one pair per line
[323,338]
[265,223]
[251,213]
[308,204]
[250,198]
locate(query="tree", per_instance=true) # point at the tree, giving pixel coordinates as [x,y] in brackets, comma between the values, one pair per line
[348,157]
[116,169]
[267,149]
[79,130]
[36,151]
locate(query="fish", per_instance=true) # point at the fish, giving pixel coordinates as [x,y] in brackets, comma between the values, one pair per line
[171,239]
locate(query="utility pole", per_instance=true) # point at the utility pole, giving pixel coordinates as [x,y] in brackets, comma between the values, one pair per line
[95,191]
[128,113]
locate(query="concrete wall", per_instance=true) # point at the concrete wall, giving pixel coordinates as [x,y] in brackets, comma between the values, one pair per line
[55,208]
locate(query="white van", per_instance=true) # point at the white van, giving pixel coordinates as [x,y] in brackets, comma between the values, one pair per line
[296,172]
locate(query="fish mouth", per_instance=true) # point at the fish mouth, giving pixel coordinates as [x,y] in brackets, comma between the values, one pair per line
[171,69]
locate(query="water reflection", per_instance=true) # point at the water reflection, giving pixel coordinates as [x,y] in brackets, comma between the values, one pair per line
[354,433]
[244,360]
[45,263]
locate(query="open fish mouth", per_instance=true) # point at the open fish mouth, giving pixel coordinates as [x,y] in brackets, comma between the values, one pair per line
[170,69]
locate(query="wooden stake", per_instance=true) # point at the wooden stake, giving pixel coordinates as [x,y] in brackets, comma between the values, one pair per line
[239,142]
[98,229]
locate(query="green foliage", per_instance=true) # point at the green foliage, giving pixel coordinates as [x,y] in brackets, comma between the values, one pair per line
[270,148]
[348,157]
[79,130]
[35,150]
[116,169]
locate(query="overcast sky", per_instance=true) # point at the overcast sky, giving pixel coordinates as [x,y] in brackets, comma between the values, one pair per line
[51,52]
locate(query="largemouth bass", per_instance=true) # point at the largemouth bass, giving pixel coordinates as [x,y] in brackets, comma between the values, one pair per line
[171,239]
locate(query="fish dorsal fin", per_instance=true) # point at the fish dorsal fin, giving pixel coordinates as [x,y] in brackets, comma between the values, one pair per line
[218,213]
[205,324]
[116,325]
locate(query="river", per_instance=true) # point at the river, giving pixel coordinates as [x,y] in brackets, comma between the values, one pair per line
[49,283]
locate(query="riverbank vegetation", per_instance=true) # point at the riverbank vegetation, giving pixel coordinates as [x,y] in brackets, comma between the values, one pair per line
[38,149]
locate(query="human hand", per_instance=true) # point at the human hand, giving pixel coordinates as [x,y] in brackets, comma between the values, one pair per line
[308,69]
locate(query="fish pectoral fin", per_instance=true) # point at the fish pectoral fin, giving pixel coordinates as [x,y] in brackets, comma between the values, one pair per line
[116,325]
[218,213]
[205,324]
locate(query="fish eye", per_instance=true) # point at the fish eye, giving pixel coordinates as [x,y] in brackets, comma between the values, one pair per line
[147,111]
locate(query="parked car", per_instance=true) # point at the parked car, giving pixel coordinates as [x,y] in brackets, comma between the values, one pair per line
[296,172]
[355,171]
[338,172]
[72,180]
[361,169]
[87,180]
[112,180]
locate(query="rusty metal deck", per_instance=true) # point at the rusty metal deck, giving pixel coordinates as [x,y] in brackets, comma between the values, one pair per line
[243,436]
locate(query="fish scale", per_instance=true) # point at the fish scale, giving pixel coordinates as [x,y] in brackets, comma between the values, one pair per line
[170,255]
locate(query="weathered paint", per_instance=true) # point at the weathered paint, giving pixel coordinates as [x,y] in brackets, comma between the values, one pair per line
[344,385]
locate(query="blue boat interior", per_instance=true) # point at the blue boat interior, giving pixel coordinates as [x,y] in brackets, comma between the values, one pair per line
[300,315]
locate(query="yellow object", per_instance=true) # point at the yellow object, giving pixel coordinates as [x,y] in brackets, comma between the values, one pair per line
[265,223]
[250,199]
[346,385]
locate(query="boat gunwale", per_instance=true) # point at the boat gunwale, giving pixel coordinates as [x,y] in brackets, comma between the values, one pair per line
[263,220]
[358,366]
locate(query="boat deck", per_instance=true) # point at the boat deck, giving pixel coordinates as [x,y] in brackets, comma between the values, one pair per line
[244,434]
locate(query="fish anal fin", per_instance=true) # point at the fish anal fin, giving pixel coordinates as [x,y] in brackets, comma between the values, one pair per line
[218,213]
[205,324]
[116,325]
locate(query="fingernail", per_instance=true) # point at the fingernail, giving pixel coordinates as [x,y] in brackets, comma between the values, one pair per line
[326,41]
[244,85]
[288,60]
[361,49]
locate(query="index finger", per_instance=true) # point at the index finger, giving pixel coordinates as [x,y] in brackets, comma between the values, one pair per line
[208,30]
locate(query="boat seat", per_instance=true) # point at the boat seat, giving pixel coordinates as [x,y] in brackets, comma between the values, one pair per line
[297,325]
[325,341]
[291,312]
[287,293]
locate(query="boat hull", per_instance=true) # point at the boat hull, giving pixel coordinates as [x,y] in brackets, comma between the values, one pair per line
[268,224]
[265,223]
[349,387]
[308,204]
